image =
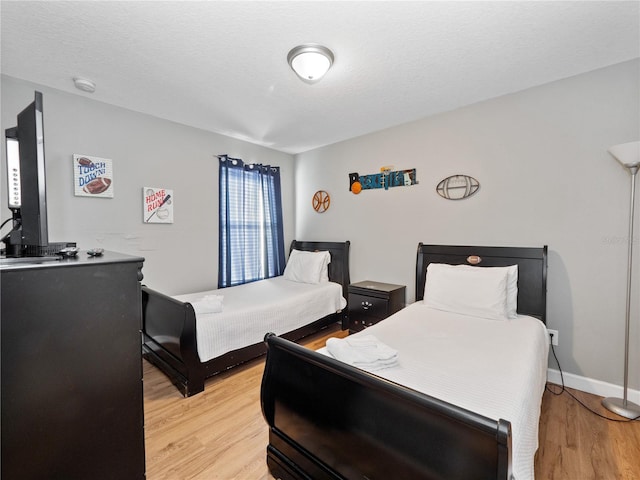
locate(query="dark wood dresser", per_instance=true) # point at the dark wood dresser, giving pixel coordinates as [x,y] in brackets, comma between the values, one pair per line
[72,398]
[370,302]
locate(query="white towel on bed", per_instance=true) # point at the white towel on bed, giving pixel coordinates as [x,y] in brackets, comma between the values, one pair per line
[365,352]
[208,304]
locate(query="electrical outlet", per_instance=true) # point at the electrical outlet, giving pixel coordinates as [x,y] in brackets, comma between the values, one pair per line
[553,340]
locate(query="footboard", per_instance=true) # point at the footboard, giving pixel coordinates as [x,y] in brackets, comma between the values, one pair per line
[169,340]
[329,420]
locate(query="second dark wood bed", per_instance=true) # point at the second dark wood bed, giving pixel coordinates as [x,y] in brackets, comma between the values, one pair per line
[328,420]
[169,328]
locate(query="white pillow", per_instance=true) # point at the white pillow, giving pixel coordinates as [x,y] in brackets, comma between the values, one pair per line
[477,291]
[307,267]
[512,290]
[512,287]
[324,273]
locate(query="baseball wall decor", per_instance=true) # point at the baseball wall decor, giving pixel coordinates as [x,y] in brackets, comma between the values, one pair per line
[157,205]
[457,187]
[92,176]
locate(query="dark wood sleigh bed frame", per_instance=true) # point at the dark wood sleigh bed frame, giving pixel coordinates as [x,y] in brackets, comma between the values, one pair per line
[328,420]
[169,328]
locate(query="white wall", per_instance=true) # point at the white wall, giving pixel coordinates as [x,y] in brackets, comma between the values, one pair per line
[546,179]
[540,156]
[146,151]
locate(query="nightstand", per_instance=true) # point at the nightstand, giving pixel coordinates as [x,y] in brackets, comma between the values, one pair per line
[370,302]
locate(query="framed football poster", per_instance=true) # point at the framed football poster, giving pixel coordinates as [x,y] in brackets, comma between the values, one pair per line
[92,176]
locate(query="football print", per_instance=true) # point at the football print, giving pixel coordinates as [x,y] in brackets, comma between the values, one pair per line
[92,176]
[97,186]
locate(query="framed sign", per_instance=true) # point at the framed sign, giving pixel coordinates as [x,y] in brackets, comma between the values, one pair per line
[92,176]
[157,205]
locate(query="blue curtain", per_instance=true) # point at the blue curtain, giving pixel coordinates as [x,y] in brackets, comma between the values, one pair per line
[251,231]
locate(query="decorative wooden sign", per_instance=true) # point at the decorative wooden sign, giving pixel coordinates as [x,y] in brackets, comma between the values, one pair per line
[384,179]
[457,187]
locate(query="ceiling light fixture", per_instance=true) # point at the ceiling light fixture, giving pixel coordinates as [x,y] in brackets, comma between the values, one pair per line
[310,61]
[84,84]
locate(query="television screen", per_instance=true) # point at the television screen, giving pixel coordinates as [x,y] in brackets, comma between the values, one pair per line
[26,181]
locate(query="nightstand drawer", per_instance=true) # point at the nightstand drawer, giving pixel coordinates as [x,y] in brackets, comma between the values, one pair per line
[366,305]
[370,302]
[357,323]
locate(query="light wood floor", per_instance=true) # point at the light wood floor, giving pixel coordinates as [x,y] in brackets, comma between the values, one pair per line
[220,433]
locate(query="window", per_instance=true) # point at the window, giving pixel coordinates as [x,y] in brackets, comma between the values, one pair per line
[251,232]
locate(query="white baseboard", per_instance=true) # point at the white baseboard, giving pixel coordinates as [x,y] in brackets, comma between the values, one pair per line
[595,387]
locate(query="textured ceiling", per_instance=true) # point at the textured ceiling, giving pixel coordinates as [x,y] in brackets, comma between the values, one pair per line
[221,66]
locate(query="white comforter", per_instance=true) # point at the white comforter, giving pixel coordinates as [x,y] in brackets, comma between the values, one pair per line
[495,368]
[251,310]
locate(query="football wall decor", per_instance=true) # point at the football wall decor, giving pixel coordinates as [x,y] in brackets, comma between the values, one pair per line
[92,176]
[457,187]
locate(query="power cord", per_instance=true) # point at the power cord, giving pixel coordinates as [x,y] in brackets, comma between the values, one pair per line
[5,222]
[564,390]
[16,225]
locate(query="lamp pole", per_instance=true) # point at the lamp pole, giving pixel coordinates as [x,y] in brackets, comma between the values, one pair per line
[622,406]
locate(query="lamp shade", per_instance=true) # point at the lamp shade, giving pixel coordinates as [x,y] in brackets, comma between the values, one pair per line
[628,154]
[310,62]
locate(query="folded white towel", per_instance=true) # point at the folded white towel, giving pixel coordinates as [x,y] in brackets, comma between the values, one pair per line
[208,304]
[365,352]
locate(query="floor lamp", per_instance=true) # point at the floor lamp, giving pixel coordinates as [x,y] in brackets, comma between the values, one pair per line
[628,154]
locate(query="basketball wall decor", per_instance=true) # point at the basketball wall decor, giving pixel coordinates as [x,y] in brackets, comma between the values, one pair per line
[321,201]
[457,187]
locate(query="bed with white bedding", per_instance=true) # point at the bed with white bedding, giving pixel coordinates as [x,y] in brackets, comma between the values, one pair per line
[194,336]
[461,400]
[455,358]
[277,304]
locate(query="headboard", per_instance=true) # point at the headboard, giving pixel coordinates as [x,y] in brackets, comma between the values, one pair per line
[532,270]
[339,266]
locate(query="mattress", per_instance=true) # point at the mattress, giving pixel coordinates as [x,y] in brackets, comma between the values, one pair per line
[251,310]
[496,368]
